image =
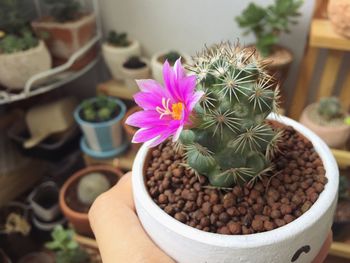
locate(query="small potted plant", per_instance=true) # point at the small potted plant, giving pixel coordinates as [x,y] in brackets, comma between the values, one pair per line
[327,119]
[267,24]
[64,246]
[171,56]
[234,182]
[99,119]
[67,28]
[135,68]
[81,189]
[338,14]
[116,50]
[22,54]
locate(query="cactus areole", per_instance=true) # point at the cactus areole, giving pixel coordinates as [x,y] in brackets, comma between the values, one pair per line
[217,115]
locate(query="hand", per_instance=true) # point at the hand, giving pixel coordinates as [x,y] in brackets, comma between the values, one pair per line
[119,233]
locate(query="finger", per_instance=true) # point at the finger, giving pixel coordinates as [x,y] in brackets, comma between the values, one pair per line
[324,250]
[118,231]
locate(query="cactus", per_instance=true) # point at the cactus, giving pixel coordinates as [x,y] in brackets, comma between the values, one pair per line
[64,10]
[229,140]
[103,109]
[91,186]
[330,109]
[118,40]
[172,56]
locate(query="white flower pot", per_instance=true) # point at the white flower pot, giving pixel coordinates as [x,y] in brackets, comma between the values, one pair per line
[133,74]
[116,56]
[17,68]
[157,67]
[186,244]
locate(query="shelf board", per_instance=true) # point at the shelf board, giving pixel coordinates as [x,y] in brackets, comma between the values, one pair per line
[123,162]
[116,89]
[322,35]
[342,157]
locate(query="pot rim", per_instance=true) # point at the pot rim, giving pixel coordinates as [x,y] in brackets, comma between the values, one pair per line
[134,43]
[306,113]
[156,55]
[120,116]
[80,173]
[130,129]
[65,25]
[297,226]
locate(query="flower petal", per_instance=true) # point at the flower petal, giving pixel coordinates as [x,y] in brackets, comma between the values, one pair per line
[147,119]
[146,134]
[179,69]
[177,133]
[194,99]
[186,87]
[150,85]
[169,81]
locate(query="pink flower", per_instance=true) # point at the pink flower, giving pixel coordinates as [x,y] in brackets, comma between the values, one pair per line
[165,110]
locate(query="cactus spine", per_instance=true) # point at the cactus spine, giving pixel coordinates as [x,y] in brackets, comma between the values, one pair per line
[229,140]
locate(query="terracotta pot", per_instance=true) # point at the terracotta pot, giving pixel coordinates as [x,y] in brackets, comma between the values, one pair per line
[130,75]
[339,15]
[334,136]
[116,56]
[130,130]
[17,68]
[187,244]
[66,38]
[157,66]
[80,221]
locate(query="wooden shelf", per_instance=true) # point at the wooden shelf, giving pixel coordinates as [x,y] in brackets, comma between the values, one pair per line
[116,89]
[342,157]
[322,35]
[340,249]
[123,162]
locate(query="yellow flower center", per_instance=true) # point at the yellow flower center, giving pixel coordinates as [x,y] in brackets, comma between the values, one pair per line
[175,111]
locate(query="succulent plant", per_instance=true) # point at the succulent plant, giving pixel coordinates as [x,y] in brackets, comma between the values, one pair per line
[268,23]
[118,40]
[64,10]
[172,56]
[91,186]
[330,109]
[230,141]
[65,247]
[12,43]
[103,109]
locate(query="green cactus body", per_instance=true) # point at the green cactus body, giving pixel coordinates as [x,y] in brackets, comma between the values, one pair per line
[230,141]
[330,109]
[91,186]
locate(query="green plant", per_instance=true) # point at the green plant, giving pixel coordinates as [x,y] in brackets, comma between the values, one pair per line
[330,109]
[91,186]
[65,247]
[118,40]
[268,23]
[134,62]
[64,10]
[230,141]
[172,56]
[16,35]
[102,109]
[12,43]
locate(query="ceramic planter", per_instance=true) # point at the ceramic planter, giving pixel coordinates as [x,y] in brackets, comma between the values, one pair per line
[130,75]
[186,244]
[334,136]
[130,130]
[17,68]
[44,201]
[339,15]
[80,221]
[103,136]
[116,56]
[64,39]
[157,66]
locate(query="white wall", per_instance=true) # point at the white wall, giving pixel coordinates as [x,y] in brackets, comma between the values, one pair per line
[189,24]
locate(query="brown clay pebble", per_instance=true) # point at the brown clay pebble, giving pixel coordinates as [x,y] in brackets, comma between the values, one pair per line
[268,204]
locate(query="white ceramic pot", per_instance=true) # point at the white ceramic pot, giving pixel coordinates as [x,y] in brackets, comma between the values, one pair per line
[157,67]
[334,136]
[187,244]
[116,56]
[17,68]
[132,74]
